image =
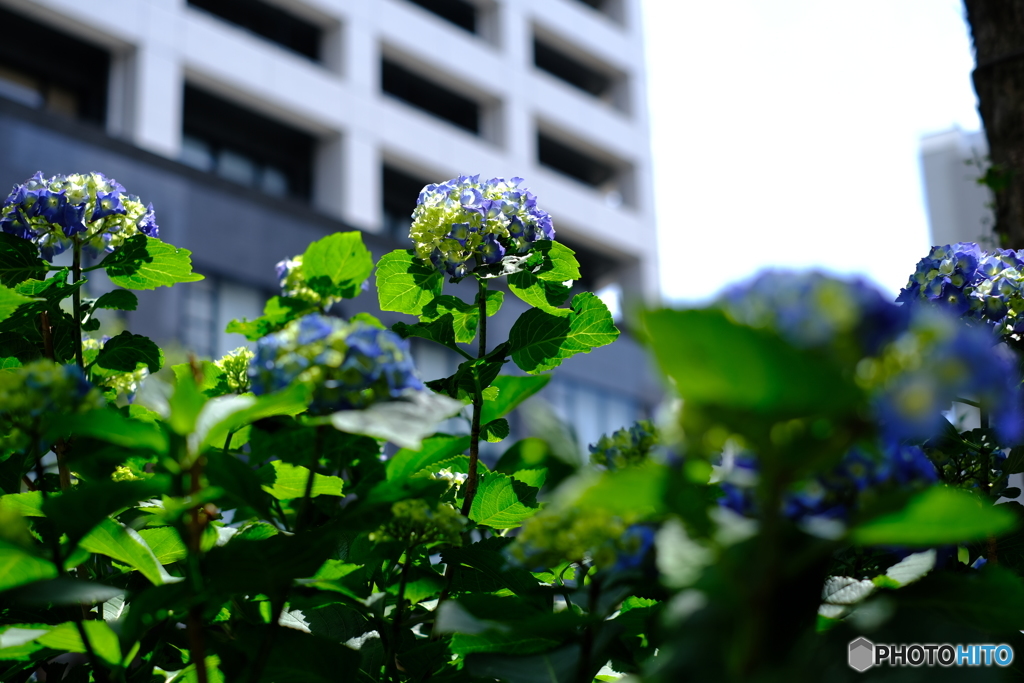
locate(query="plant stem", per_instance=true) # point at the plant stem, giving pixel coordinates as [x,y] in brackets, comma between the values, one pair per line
[583,674]
[76,301]
[396,621]
[194,623]
[472,481]
[61,447]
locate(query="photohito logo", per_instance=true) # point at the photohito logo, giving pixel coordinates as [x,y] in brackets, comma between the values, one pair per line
[863,654]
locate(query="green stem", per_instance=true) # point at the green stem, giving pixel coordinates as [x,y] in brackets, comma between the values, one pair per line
[194,533]
[76,301]
[472,480]
[396,621]
[583,673]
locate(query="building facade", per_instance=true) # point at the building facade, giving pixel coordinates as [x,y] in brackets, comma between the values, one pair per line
[959,208]
[258,126]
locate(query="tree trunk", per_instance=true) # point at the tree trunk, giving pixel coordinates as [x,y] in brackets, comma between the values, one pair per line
[997,28]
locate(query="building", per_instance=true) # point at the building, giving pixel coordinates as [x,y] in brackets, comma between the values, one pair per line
[258,126]
[959,209]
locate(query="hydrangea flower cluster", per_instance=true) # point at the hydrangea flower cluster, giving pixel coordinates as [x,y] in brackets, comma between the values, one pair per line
[126,383]
[347,365]
[834,494]
[464,219]
[913,362]
[38,391]
[553,536]
[815,310]
[625,447]
[88,208]
[235,366]
[415,522]
[293,284]
[987,286]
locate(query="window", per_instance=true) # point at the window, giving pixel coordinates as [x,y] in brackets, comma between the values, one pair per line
[67,76]
[399,191]
[590,410]
[244,147]
[573,162]
[610,8]
[270,22]
[206,311]
[430,96]
[459,12]
[585,74]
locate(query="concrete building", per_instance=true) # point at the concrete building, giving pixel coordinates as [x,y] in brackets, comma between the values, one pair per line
[958,207]
[258,126]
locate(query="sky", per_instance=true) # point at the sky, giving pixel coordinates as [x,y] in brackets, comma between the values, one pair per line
[786,133]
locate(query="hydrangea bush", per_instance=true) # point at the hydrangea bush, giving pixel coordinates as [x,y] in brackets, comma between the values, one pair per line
[291,512]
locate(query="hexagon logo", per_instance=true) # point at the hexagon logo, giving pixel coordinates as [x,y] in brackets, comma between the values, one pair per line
[862,654]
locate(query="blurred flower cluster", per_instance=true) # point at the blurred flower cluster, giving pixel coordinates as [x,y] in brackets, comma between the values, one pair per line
[836,493]
[88,208]
[414,522]
[567,534]
[41,391]
[627,446]
[346,365]
[912,362]
[464,219]
[235,366]
[293,284]
[986,286]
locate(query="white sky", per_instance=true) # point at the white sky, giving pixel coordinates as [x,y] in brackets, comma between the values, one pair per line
[786,133]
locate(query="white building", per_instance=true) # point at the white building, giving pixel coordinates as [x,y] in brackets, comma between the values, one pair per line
[959,209]
[257,126]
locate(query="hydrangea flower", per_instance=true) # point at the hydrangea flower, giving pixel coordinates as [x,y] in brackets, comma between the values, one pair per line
[625,447]
[813,310]
[348,365]
[41,390]
[293,284]
[557,534]
[834,494]
[415,522]
[464,223]
[88,208]
[235,366]
[984,286]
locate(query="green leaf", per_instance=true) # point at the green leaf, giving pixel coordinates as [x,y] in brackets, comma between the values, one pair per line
[502,502]
[126,546]
[938,516]
[512,390]
[102,638]
[64,590]
[407,462]
[124,352]
[557,666]
[536,292]
[119,300]
[278,312]
[534,477]
[19,260]
[19,567]
[440,331]
[286,482]
[337,265]
[991,599]
[225,414]
[495,430]
[403,422]
[78,510]
[465,317]
[190,675]
[27,504]
[485,561]
[166,544]
[405,284]
[540,340]
[53,289]
[239,481]
[559,264]
[112,427]
[214,382]
[10,300]
[144,262]
[9,363]
[717,362]
[370,320]
[494,300]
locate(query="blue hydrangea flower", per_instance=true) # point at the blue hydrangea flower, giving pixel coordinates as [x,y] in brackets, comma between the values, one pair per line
[41,390]
[465,222]
[88,208]
[346,365]
[816,310]
[834,494]
[982,286]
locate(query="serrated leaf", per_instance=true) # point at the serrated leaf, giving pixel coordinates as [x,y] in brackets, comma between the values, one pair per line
[286,482]
[937,516]
[277,312]
[19,260]
[113,427]
[225,414]
[125,545]
[78,510]
[10,363]
[512,391]
[368,319]
[124,352]
[337,265]
[405,284]
[540,341]
[534,477]
[407,462]
[501,502]
[144,262]
[53,289]
[119,300]
[465,318]
[440,330]
[538,293]
[10,300]
[166,544]
[495,430]
[559,263]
